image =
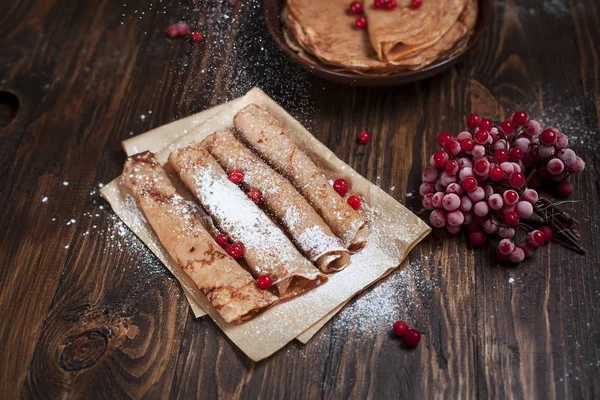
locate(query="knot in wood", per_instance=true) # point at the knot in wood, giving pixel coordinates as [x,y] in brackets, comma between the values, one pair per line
[83,351]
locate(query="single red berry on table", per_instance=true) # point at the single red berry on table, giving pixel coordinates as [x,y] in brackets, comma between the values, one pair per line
[356,8]
[341,186]
[511,218]
[360,23]
[547,232]
[473,121]
[172,32]
[443,138]
[507,127]
[354,202]
[264,282]
[416,4]
[400,328]
[236,176]
[412,337]
[364,137]
[197,36]
[520,118]
[235,250]
[391,4]
[255,195]
[565,189]
[486,124]
[222,240]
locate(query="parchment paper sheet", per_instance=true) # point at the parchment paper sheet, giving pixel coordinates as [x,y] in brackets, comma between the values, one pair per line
[393,232]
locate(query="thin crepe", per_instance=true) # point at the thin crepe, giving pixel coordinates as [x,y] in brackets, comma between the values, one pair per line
[266,134]
[230,289]
[306,228]
[267,251]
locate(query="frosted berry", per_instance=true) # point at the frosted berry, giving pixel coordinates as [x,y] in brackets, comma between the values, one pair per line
[452,167]
[562,141]
[511,218]
[413,336]
[341,185]
[364,137]
[453,229]
[481,209]
[356,8]
[430,174]
[236,176]
[565,189]
[528,249]
[464,135]
[400,328]
[255,195]
[452,147]
[454,188]
[235,250]
[548,136]
[536,238]
[183,29]
[478,151]
[555,166]
[545,151]
[438,218]
[465,204]
[533,128]
[222,240]
[473,121]
[428,202]
[568,157]
[531,196]
[547,232]
[360,23]
[578,166]
[490,226]
[524,209]
[354,202]
[477,238]
[506,246]
[425,188]
[495,201]
[451,202]
[505,232]
[477,195]
[172,32]
[467,145]
[455,218]
[510,197]
[517,255]
[264,282]
[437,199]
[520,118]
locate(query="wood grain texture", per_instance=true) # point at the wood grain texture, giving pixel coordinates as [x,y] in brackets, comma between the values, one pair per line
[88,313]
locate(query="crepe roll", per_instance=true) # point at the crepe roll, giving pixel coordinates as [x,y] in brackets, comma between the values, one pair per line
[267,250]
[306,228]
[266,135]
[230,289]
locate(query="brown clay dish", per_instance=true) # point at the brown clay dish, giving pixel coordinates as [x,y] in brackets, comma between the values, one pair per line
[272,9]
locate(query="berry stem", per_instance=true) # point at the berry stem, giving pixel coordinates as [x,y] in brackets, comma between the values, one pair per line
[561,222]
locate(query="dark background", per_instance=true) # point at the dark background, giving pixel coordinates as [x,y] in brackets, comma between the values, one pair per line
[87,311]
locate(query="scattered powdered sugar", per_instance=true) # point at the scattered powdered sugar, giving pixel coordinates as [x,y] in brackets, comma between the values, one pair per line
[65,183]
[44,199]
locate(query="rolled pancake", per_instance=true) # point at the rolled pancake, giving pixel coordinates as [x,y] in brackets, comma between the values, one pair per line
[405,31]
[265,134]
[230,289]
[306,228]
[267,251]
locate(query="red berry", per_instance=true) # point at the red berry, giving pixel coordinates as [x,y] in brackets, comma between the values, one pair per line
[391,4]
[416,4]
[356,8]
[197,36]
[360,23]
[537,238]
[341,186]
[354,202]
[264,282]
[379,3]
[443,138]
[172,31]
[516,180]
[183,29]
[482,166]
[516,154]
[507,127]
[486,124]
[547,232]
[364,137]
[452,147]
[469,184]
[520,118]
[500,156]
[222,240]
[501,256]
[440,158]
[473,121]
[451,167]
[477,238]
[481,136]
[467,145]
[255,195]
[565,189]
[548,136]
[236,176]
[511,218]
[496,173]
[510,197]
[235,250]
[400,328]
[412,337]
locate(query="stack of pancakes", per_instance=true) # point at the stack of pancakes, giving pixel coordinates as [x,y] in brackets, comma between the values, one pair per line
[398,40]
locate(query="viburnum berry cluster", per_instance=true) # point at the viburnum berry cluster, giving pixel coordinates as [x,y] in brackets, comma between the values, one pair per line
[485,179]
[356,8]
[182,30]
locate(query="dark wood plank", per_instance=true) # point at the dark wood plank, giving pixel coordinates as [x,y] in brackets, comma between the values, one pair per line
[102,318]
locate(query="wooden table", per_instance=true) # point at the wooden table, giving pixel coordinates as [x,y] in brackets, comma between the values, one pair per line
[87,311]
